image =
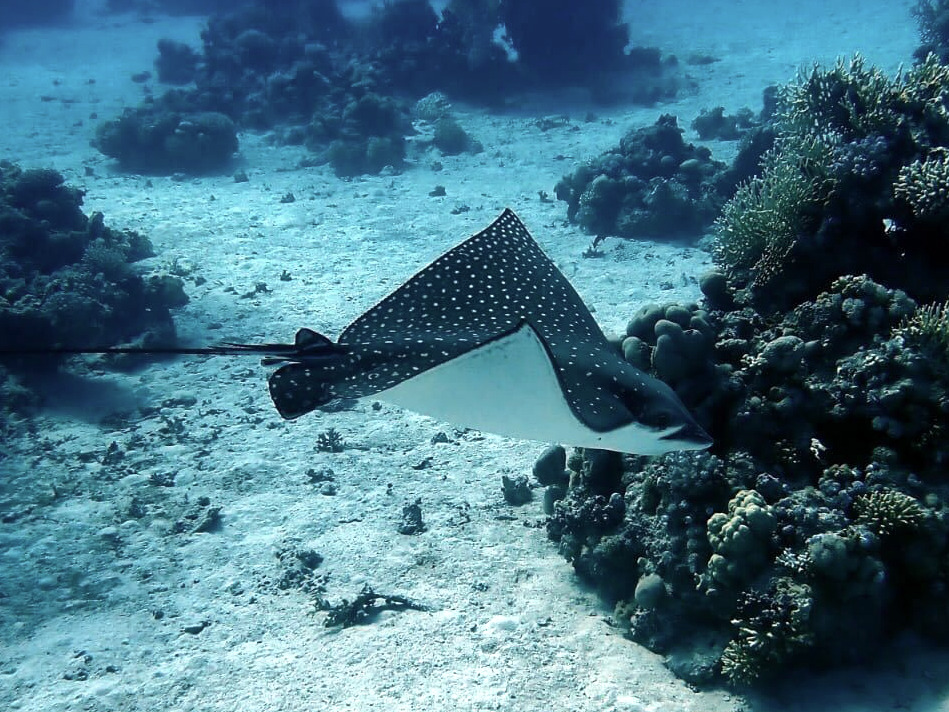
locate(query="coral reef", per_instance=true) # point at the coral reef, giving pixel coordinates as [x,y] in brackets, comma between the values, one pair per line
[820,512]
[817,526]
[432,107]
[298,68]
[852,186]
[924,186]
[653,185]
[932,20]
[928,331]
[516,490]
[68,280]
[153,140]
[412,522]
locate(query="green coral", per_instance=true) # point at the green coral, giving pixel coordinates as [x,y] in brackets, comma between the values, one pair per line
[928,330]
[109,260]
[887,512]
[924,186]
[851,142]
[759,225]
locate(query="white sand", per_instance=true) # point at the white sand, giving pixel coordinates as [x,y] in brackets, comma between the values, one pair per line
[510,627]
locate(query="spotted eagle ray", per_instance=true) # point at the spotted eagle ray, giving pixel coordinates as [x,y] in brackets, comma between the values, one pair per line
[491,336]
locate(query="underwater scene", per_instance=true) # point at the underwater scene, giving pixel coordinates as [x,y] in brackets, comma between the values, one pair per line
[478,355]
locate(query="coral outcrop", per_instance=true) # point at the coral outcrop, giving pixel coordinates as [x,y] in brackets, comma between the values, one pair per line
[852,186]
[653,185]
[817,526]
[68,280]
[154,140]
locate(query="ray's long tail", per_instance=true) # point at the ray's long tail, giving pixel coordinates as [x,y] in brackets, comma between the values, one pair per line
[307,344]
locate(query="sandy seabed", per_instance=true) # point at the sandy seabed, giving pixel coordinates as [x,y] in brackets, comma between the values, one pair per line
[104,609]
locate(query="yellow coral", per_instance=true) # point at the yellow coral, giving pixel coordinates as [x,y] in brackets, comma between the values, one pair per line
[740,539]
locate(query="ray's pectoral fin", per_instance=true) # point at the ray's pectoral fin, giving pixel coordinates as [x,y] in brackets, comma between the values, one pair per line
[310,366]
[296,389]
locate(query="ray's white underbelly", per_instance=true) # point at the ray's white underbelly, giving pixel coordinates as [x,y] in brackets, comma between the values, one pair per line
[508,387]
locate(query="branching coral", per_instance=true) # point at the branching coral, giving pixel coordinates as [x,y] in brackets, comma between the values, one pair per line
[759,225]
[887,512]
[849,98]
[771,628]
[928,330]
[923,93]
[924,185]
[858,157]
[857,101]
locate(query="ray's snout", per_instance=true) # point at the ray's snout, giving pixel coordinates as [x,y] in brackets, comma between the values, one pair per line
[659,414]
